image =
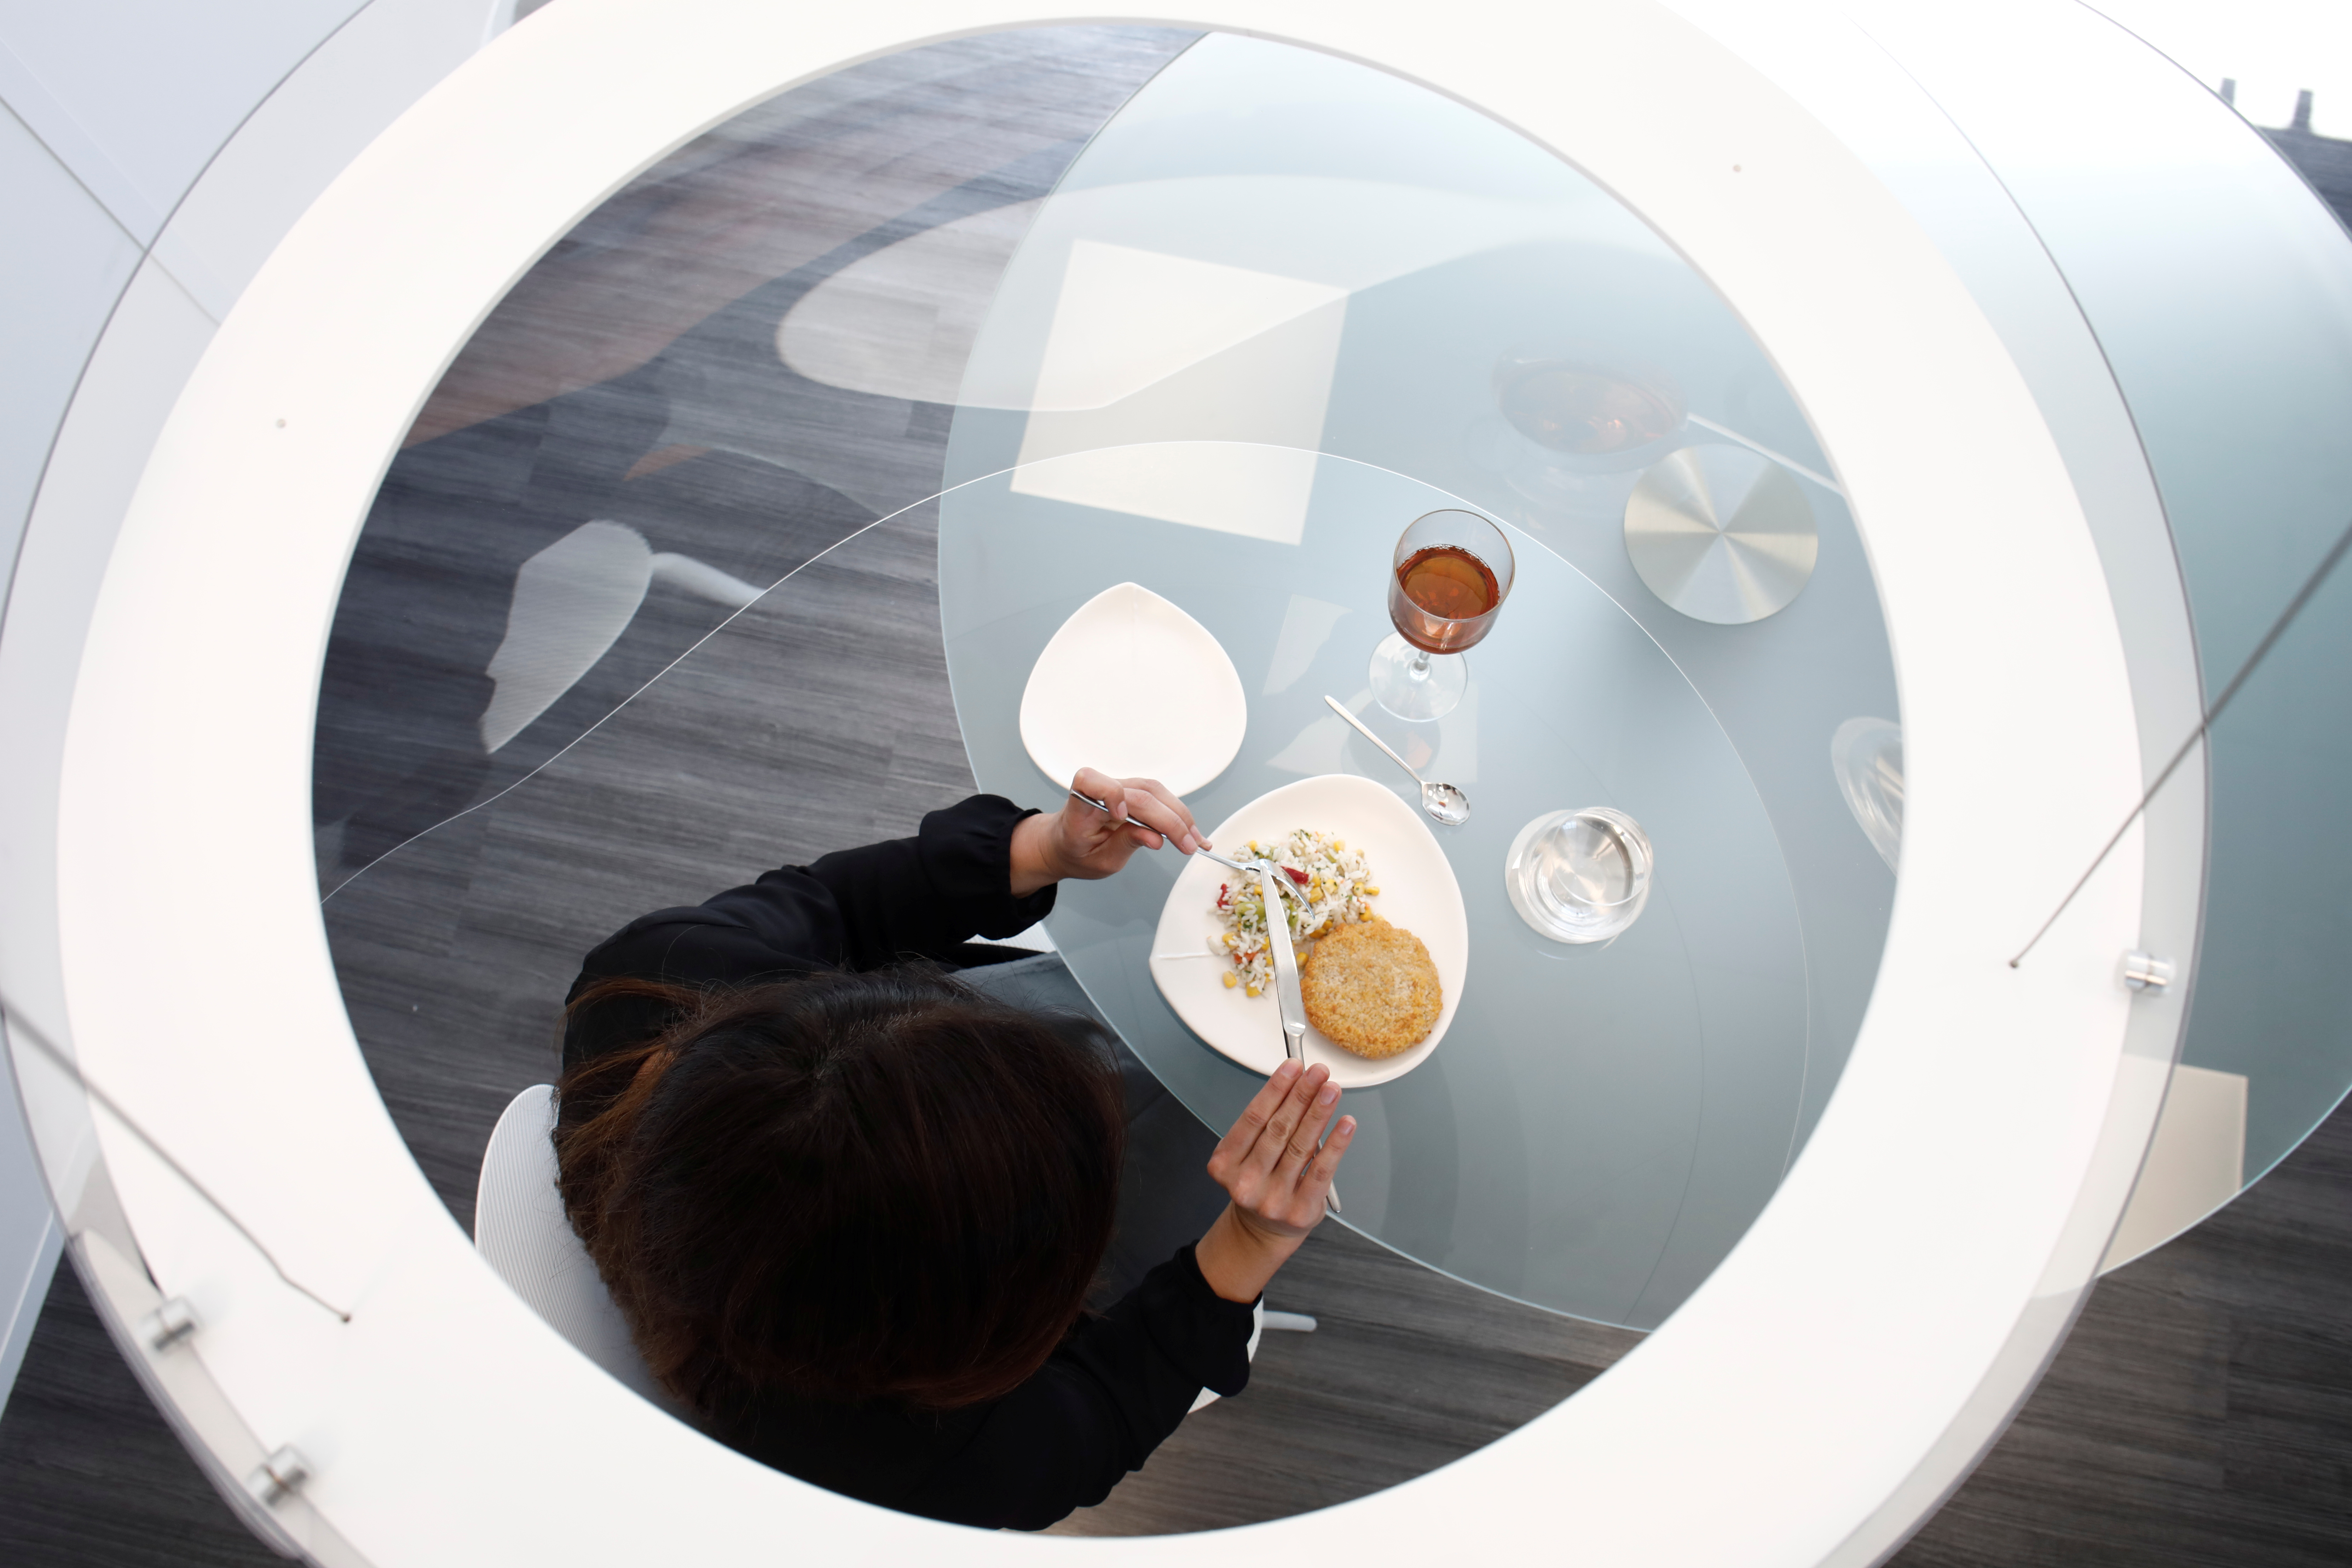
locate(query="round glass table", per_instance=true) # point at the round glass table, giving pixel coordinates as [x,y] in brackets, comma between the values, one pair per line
[1275,309]
[1602,1122]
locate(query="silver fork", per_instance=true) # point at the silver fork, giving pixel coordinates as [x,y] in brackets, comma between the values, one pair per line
[1249,868]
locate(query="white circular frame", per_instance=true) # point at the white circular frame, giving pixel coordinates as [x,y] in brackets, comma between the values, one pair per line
[1807,1405]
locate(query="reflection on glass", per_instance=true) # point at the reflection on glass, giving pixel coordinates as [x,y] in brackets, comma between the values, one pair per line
[1450,574]
[1588,411]
[1866,755]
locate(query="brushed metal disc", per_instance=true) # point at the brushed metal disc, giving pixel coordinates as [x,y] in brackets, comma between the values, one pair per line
[1721,534]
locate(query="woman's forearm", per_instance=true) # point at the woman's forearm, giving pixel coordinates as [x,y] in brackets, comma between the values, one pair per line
[1238,1259]
[1032,855]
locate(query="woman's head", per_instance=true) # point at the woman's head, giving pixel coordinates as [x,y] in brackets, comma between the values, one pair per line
[843,1186]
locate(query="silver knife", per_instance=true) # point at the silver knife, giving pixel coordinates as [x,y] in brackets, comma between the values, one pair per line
[1287,994]
[1285,968]
[1288,998]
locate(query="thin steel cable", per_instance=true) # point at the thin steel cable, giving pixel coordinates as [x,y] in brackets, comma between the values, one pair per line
[40,1041]
[2270,639]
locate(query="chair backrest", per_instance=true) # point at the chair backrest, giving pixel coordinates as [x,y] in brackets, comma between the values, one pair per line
[522,1233]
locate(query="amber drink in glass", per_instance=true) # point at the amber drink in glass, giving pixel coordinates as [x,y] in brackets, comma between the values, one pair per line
[1450,574]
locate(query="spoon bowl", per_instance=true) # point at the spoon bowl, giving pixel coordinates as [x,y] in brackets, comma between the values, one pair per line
[1443,802]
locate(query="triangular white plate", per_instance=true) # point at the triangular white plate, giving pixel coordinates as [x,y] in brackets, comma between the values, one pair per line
[1418,892]
[1132,685]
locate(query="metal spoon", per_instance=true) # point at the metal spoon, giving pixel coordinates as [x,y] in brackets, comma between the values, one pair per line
[1442,801]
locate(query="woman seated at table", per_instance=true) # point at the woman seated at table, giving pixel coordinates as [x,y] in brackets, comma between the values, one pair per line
[851,1207]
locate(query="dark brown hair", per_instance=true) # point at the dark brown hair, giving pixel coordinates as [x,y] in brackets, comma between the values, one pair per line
[843,1186]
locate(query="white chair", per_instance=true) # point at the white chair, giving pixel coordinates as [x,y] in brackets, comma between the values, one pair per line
[523,1234]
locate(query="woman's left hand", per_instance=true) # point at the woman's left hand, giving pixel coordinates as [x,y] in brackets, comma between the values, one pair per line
[1079,841]
[1276,1166]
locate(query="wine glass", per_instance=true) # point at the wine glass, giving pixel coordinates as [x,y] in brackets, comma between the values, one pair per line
[1448,578]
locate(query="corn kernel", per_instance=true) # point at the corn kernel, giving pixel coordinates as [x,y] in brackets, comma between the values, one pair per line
[1252,990]
[1231,980]
[1372,892]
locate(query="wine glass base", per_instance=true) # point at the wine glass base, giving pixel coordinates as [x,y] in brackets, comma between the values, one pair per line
[1416,694]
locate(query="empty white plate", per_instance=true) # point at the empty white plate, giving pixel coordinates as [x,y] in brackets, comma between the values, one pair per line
[1132,685]
[1418,892]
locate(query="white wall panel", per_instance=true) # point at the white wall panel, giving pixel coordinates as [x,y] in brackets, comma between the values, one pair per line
[63,261]
[135,96]
[358,83]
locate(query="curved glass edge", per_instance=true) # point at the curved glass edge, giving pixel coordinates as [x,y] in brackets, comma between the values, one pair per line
[2165,198]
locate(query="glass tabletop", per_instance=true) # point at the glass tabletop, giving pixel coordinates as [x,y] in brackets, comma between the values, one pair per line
[1602,1120]
[1277,309]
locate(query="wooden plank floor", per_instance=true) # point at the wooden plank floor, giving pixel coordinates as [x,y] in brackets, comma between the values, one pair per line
[1407,1371]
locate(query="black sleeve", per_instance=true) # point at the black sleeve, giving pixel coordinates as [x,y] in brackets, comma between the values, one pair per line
[1110,1395]
[858,909]
[927,895]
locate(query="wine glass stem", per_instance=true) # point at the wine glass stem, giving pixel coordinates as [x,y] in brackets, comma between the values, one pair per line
[1420,667]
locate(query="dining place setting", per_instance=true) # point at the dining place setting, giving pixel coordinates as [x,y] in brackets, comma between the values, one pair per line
[1328,923]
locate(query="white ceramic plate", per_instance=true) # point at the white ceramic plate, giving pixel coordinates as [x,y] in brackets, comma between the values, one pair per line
[1132,685]
[1418,892]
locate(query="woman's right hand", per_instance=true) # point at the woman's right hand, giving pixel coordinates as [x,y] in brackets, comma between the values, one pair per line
[1271,1166]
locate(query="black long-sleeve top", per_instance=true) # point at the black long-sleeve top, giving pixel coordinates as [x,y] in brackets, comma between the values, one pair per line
[1120,1382]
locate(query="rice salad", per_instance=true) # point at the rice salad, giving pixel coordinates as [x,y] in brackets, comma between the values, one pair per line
[1335,878]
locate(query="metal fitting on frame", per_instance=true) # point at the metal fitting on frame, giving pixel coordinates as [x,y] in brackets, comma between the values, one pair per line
[168,1325]
[2144,972]
[278,1476]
